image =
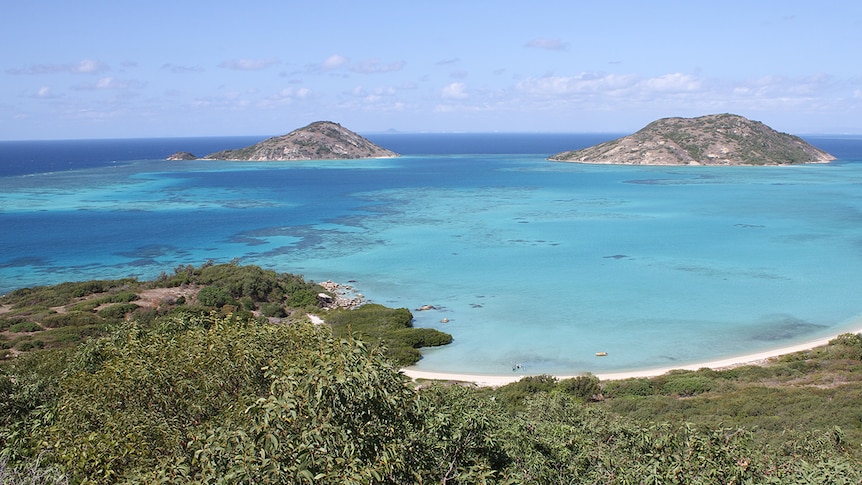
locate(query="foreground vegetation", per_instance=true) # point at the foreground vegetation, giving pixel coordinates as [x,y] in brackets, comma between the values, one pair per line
[213,396]
[67,314]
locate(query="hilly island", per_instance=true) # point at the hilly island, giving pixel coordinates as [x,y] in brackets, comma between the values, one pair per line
[321,140]
[719,139]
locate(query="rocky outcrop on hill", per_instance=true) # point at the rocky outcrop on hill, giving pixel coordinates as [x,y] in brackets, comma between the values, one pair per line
[321,140]
[721,139]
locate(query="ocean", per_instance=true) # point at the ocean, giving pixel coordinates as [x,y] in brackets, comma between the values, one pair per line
[532,263]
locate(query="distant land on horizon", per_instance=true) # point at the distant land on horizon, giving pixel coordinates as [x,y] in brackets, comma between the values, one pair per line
[320,140]
[718,139]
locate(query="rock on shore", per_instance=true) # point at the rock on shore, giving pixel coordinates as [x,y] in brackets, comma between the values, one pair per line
[345,295]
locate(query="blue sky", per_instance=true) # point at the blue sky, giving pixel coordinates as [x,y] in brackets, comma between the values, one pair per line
[106,69]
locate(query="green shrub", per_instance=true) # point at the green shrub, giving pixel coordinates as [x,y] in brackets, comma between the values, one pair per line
[123,297]
[390,327]
[118,311]
[215,297]
[513,395]
[64,336]
[847,346]
[247,303]
[584,387]
[240,281]
[70,319]
[86,306]
[421,337]
[687,385]
[26,345]
[25,327]
[273,310]
[403,355]
[217,399]
[8,322]
[629,387]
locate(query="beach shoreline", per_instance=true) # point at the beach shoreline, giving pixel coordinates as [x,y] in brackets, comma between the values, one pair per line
[758,358]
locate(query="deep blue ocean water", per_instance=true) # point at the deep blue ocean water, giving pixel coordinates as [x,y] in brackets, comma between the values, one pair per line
[532,262]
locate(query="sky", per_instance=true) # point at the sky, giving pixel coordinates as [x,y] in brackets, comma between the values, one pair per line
[116,69]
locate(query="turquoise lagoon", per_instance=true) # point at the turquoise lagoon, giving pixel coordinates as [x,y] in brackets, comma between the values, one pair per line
[533,263]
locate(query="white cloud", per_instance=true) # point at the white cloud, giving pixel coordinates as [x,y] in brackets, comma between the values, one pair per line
[375,95]
[369,66]
[106,83]
[547,44]
[44,92]
[598,84]
[372,66]
[455,91]
[90,66]
[180,69]
[86,66]
[248,64]
[109,83]
[286,96]
[333,62]
[675,82]
[581,84]
[291,92]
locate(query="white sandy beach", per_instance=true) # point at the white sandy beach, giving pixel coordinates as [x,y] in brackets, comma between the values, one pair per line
[499,380]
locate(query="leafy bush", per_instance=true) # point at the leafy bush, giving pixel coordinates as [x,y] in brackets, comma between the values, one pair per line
[25,327]
[585,387]
[7,322]
[687,385]
[215,397]
[628,387]
[86,306]
[847,346]
[402,354]
[76,319]
[44,297]
[28,344]
[514,395]
[391,328]
[239,281]
[247,303]
[273,310]
[118,311]
[64,336]
[124,297]
[421,337]
[215,297]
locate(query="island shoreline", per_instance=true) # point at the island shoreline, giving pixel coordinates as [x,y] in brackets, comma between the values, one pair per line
[757,358]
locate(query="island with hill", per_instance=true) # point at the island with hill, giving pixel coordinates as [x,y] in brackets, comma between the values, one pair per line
[321,140]
[718,139]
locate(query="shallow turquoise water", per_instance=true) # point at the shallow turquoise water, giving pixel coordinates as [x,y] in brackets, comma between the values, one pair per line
[534,263]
